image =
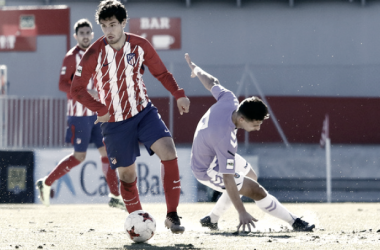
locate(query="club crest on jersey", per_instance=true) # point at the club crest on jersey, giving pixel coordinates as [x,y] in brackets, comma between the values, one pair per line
[131,59]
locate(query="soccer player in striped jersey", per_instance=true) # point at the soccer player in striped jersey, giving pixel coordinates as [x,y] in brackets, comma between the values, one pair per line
[81,129]
[117,61]
[216,164]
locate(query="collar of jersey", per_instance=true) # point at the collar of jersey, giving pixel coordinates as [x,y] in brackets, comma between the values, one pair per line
[79,48]
[126,40]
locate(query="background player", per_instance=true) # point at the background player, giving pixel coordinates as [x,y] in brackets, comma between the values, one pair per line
[214,160]
[118,60]
[80,123]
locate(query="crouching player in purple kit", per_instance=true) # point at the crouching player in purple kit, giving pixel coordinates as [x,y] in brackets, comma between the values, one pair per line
[216,164]
[81,130]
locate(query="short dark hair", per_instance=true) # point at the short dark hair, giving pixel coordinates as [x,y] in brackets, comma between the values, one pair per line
[82,23]
[253,108]
[110,8]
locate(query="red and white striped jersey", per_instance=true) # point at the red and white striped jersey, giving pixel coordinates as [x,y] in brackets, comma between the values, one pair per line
[69,66]
[118,77]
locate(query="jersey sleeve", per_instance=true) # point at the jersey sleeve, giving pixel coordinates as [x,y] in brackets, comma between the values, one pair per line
[159,71]
[225,151]
[219,92]
[83,73]
[67,74]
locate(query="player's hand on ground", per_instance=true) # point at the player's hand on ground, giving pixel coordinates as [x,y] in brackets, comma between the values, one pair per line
[183,104]
[93,93]
[191,64]
[246,220]
[103,118]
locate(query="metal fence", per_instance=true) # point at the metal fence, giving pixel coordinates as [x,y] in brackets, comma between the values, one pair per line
[32,122]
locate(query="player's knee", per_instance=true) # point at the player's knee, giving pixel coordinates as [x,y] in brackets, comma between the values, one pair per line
[259,192]
[80,157]
[127,175]
[165,149]
[168,154]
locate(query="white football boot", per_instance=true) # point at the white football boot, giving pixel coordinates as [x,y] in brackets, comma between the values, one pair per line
[116,201]
[44,191]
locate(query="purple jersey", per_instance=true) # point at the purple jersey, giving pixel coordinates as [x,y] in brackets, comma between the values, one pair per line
[215,136]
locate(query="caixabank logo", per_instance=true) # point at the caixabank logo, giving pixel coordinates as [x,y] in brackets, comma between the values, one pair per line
[149,184]
[86,181]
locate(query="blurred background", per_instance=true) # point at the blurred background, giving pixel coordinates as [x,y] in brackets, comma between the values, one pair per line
[306,59]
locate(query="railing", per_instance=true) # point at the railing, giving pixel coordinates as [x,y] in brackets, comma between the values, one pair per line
[32,122]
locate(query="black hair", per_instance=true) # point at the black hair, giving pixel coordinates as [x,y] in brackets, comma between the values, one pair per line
[253,108]
[110,8]
[82,23]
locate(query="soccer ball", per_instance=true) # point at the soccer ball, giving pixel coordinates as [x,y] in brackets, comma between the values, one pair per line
[140,226]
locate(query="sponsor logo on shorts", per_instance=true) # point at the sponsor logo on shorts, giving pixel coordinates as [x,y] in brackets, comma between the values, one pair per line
[176,181]
[79,141]
[63,70]
[237,175]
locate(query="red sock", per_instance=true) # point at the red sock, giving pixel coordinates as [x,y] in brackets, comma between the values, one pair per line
[63,167]
[111,176]
[130,196]
[172,184]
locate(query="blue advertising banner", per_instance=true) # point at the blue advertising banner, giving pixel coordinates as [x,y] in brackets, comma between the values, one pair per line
[85,183]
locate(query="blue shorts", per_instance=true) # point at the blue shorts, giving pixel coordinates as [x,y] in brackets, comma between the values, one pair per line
[122,138]
[82,131]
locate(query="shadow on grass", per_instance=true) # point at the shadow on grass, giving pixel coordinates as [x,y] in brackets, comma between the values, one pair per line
[279,235]
[273,235]
[136,246]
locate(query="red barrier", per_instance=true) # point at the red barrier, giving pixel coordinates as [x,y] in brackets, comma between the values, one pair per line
[353,120]
[19,26]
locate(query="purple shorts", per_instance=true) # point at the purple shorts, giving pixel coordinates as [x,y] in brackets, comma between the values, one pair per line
[122,138]
[82,131]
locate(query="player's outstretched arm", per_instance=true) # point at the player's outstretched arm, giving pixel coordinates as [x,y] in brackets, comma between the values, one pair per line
[206,79]
[245,219]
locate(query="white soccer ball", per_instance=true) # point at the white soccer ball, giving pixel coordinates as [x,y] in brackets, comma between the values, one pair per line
[140,226]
